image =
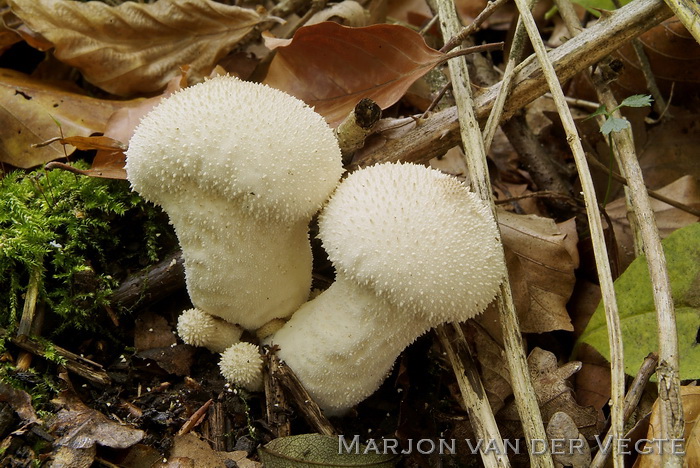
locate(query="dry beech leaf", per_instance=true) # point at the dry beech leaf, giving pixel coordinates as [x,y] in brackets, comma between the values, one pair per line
[35,111]
[77,426]
[332,67]
[154,339]
[572,448]
[190,450]
[348,13]
[674,55]
[554,393]
[20,402]
[133,47]
[685,190]
[495,373]
[542,258]
[671,149]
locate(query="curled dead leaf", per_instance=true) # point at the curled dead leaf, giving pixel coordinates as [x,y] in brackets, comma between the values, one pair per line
[34,111]
[542,260]
[133,47]
[332,67]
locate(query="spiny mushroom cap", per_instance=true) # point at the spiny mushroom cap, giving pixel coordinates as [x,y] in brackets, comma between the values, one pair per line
[198,328]
[242,141]
[241,365]
[419,238]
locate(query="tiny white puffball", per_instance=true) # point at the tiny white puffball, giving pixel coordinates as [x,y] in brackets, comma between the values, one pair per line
[241,364]
[417,237]
[239,141]
[195,326]
[198,328]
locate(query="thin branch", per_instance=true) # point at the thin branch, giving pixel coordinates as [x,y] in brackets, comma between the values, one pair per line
[596,231]
[478,173]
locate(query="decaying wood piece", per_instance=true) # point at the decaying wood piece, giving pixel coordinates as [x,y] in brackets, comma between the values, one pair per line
[595,226]
[301,399]
[438,133]
[79,365]
[352,131]
[153,283]
[276,403]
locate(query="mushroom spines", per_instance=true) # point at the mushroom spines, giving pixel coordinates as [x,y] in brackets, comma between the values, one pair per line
[241,364]
[244,141]
[416,236]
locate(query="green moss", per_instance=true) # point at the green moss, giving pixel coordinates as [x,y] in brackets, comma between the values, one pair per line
[80,234]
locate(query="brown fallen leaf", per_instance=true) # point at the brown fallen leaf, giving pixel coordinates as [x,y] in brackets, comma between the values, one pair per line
[671,149]
[685,190]
[189,450]
[495,373]
[35,111]
[690,397]
[154,339]
[674,57]
[571,448]
[133,47]
[78,429]
[20,401]
[332,67]
[347,12]
[542,263]
[554,394]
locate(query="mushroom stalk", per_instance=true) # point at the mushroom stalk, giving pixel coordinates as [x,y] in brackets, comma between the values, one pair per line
[235,262]
[356,343]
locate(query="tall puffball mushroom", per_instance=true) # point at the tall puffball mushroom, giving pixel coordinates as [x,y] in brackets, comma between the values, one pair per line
[412,249]
[240,168]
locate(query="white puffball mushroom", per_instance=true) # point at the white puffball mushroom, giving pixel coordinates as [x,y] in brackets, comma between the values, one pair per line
[240,168]
[412,248]
[198,328]
[241,364]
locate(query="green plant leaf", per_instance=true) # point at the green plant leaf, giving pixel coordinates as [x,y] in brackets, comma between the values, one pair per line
[316,450]
[613,124]
[637,100]
[637,312]
[599,111]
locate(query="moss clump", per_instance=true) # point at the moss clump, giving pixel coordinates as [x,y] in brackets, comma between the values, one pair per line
[74,234]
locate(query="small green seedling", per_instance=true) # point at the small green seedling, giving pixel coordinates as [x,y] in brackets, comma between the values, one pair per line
[615,124]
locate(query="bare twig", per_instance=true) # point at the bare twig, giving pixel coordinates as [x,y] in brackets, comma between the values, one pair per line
[478,173]
[595,164]
[435,135]
[473,393]
[474,26]
[196,418]
[153,283]
[638,200]
[79,365]
[306,406]
[353,130]
[688,11]
[596,230]
[634,394]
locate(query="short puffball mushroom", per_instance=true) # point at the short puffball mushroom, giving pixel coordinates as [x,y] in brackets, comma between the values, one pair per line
[242,364]
[201,329]
[240,168]
[412,248]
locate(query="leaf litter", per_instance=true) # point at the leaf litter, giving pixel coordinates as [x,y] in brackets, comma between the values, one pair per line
[146,51]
